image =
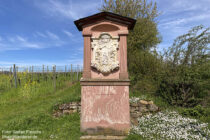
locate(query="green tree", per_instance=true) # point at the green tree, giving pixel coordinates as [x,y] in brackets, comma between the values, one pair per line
[144,36]
[131,8]
[191,48]
[186,79]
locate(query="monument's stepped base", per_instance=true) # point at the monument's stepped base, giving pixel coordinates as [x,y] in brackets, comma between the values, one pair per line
[100,137]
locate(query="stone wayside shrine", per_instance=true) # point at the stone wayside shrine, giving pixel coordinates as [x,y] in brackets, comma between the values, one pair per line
[105,84]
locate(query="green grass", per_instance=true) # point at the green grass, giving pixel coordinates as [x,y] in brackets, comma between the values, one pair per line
[30,107]
[134,137]
[35,113]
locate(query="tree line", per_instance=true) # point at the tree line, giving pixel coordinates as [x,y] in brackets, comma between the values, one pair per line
[180,74]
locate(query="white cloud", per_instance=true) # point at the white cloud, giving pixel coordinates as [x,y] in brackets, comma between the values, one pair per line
[70,9]
[63,9]
[20,38]
[169,7]
[69,34]
[55,39]
[32,45]
[19,43]
[24,43]
[181,12]
[41,34]
[185,20]
[52,35]
[180,16]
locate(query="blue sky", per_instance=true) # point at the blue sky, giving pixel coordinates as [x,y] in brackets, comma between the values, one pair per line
[36,32]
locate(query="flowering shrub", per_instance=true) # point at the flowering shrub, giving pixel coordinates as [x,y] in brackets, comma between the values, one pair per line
[29,88]
[170,125]
[5,82]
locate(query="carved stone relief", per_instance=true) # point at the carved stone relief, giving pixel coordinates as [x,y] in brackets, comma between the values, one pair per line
[104,51]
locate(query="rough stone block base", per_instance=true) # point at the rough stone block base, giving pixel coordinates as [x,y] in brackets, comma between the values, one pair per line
[101,137]
[105,109]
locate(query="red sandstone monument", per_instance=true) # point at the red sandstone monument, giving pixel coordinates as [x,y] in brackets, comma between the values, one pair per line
[105,83]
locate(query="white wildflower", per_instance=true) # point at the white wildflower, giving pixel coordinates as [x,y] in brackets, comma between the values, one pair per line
[171,125]
[134,99]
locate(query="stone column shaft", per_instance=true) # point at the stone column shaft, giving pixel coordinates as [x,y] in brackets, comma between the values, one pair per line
[87,56]
[123,55]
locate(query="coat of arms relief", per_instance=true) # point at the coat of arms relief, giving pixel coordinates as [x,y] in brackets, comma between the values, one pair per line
[104,50]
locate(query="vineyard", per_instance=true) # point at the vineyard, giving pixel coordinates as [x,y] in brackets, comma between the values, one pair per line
[30,81]
[29,95]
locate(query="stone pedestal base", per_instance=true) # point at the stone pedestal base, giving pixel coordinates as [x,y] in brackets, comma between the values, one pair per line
[100,137]
[105,107]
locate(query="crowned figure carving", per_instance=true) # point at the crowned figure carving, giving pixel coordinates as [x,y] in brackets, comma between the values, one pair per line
[104,49]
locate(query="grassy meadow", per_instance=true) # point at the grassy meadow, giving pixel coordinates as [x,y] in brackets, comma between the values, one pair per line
[30,106]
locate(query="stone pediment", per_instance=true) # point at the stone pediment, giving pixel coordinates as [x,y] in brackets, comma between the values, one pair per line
[126,21]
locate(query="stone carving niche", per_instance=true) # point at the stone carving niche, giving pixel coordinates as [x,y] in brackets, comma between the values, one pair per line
[105,53]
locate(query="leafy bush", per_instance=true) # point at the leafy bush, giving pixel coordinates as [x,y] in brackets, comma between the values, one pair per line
[182,87]
[186,76]
[196,112]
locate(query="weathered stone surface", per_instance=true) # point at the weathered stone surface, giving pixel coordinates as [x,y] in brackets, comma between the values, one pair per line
[105,104]
[78,108]
[106,46]
[105,107]
[68,108]
[133,104]
[64,106]
[133,109]
[57,114]
[106,131]
[143,102]
[139,114]
[73,107]
[150,102]
[143,109]
[68,111]
[136,111]
[134,121]
[153,108]
[136,114]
